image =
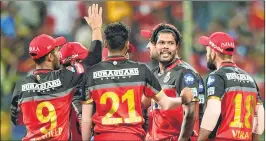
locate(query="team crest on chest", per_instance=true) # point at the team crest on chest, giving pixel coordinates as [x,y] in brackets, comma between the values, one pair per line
[167,77]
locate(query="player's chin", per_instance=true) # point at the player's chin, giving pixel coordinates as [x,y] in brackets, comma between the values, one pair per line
[165,60]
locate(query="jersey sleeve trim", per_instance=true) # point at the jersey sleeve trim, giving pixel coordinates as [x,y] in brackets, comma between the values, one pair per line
[259,103]
[214,97]
[160,93]
[89,101]
[195,99]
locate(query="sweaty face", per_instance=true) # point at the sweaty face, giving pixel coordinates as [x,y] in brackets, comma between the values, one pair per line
[153,53]
[166,47]
[210,59]
[56,62]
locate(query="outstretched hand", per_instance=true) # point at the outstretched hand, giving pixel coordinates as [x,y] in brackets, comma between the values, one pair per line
[94,18]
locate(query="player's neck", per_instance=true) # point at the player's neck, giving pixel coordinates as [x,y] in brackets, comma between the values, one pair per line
[44,66]
[116,53]
[219,62]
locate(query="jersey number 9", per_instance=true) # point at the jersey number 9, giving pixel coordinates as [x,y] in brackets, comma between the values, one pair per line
[51,117]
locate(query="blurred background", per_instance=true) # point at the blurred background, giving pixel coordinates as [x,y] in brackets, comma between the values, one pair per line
[21,21]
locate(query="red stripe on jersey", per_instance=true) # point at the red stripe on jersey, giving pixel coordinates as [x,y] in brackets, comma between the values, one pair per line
[165,123]
[174,64]
[232,64]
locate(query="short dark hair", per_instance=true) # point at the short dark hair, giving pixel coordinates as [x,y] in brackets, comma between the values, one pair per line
[116,35]
[165,28]
[42,59]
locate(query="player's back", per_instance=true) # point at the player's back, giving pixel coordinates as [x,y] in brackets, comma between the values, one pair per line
[44,100]
[117,89]
[239,96]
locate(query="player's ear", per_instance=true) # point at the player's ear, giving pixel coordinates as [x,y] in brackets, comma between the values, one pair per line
[213,53]
[50,57]
[127,45]
[105,44]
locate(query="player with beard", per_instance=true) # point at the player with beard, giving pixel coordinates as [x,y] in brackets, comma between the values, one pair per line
[154,56]
[42,101]
[234,108]
[174,75]
[116,86]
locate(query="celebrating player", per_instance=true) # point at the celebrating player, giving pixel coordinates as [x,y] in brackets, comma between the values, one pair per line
[173,74]
[73,53]
[42,100]
[233,100]
[116,86]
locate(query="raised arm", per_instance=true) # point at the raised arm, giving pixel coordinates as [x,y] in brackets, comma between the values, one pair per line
[94,20]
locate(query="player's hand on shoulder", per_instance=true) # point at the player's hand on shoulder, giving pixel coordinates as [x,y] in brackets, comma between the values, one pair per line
[186,95]
[94,18]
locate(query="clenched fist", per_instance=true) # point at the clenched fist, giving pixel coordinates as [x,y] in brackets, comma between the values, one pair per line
[186,95]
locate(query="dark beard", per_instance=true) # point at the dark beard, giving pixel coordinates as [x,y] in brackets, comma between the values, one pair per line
[166,62]
[211,66]
[56,64]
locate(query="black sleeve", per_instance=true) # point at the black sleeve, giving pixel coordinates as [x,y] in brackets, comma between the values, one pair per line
[201,91]
[201,98]
[16,117]
[76,102]
[87,86]
[189,79]
[70,76]
[215,86]
[152,85]
[258,97]
[95,54]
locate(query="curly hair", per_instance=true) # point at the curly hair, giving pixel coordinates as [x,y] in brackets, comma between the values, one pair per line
[166,28]
[116,35]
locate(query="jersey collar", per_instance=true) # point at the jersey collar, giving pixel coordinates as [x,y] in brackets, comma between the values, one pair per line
[171,65]
[115,58]
[231,64]
[41,71]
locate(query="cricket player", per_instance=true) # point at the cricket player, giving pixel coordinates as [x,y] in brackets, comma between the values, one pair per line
[116,86]
[234,108]
[42,101]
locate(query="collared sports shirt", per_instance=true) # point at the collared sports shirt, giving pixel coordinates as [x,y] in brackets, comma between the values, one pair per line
[239,94]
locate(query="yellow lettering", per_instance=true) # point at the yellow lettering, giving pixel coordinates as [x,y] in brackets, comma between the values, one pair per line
[54,133]
[249,105]
[129,96]
[51,117]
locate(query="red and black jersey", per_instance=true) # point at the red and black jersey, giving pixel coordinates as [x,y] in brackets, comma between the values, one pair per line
[239,94]
[116,86]
[42,101]
[177,75]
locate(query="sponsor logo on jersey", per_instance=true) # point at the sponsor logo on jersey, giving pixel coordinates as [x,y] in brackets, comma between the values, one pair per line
[211,81]
[189,79]
[201,88]
[201,99]
[42,86]
[211,91]
[239,77]
[123,73]
[167,77]
[194,92]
